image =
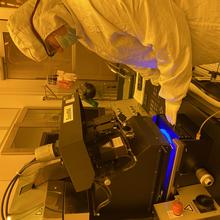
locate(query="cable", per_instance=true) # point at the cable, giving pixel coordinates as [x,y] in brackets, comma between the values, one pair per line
[63,206]
[15,179]
[198,134]
[3,211]
[7,193]
[133,159]
[108,193]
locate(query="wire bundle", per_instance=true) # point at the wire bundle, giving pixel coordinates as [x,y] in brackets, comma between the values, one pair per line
[8,191]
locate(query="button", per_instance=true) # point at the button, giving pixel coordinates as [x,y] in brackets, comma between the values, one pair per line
[177,208]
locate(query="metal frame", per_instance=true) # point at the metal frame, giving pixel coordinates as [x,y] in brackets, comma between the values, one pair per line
[9,139]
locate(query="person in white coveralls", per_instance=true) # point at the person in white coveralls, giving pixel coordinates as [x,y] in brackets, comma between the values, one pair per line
[160,39]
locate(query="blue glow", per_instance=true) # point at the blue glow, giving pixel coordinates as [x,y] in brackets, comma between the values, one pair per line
[171,158]
[160,122]
[166,135]
[169,134]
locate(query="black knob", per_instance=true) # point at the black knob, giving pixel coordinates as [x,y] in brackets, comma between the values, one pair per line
[205,201]
[89,91]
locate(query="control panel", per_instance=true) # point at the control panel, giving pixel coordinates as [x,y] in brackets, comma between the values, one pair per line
[147,95]
[128,108]
[192,202]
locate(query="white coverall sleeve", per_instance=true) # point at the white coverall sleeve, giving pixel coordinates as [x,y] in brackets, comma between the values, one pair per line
[167,30]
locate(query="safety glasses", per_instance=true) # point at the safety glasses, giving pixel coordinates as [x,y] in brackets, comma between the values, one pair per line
[48,48]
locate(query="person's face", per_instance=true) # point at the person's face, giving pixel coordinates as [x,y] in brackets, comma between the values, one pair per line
[51,40]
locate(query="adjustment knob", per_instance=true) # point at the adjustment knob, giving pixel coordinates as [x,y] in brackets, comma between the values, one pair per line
[205,201]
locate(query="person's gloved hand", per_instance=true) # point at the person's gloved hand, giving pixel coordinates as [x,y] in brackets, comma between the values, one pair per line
[171,109]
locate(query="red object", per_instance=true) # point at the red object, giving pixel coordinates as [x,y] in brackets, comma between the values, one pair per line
[177,207]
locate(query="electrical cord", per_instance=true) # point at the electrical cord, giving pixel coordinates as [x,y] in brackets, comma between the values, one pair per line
[108,193]
[133,161]
[12,183]
[46,207]
[198,134]
[3,211]
[63,206]
[7,193]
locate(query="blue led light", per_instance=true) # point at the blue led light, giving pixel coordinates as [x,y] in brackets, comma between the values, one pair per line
[160,122]
[169,134]
[171,158]
[166,135]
